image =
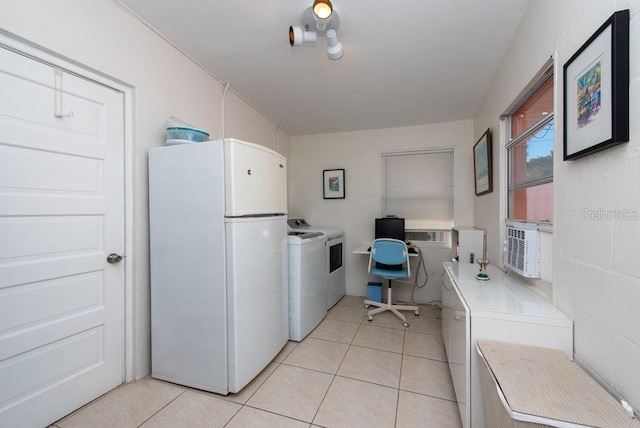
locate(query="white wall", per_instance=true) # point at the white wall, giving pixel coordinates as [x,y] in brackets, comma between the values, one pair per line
[597,276]
[102,36]
[359,154]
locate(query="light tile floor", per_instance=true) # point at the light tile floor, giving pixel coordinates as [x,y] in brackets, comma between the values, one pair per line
[349,372]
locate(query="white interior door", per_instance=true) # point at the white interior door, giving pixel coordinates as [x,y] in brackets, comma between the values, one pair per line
[61,215]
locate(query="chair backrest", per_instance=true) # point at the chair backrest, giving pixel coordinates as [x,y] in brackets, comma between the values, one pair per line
[389,252]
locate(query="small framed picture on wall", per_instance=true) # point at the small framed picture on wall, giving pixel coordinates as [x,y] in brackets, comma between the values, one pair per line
[482,167]
[596,91]
[333,184]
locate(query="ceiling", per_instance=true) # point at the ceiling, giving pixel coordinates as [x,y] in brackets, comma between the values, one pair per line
[409,63]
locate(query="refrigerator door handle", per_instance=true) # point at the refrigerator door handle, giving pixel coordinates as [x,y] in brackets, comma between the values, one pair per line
[257,215]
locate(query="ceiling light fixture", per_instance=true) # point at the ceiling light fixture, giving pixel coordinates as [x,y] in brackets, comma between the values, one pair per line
[334,47]
[322,10]
[298,36]
[320,17]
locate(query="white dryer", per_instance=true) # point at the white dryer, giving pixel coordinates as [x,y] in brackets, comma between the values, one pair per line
[333,257]
[307,282]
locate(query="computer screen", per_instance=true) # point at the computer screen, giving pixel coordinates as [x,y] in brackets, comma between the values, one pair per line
[390,227]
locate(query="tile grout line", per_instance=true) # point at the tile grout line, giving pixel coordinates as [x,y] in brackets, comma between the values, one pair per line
[335,375]
[395,419]
[245,403]
[266,411]
[161,408]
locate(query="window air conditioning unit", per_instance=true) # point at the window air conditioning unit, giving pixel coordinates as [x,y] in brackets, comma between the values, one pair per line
[522,250]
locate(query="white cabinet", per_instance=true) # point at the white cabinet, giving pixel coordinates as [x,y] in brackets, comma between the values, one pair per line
[466,240]
[503,309]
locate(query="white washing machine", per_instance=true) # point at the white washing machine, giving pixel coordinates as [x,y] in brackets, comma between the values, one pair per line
[333,258]
[307,282]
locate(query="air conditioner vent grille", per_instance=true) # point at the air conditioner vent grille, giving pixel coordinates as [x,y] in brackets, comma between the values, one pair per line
[522,251]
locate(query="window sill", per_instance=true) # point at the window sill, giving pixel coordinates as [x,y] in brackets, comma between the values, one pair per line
[542,226]
[542,288]
[431,244]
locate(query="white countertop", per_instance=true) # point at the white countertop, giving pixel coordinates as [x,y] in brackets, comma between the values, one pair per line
[502,293]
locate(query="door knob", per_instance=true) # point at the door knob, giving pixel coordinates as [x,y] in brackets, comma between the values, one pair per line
[114,258]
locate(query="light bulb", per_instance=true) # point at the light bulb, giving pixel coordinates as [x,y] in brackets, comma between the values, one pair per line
[322,8]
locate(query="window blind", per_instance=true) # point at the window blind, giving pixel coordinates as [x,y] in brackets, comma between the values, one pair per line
[419,187]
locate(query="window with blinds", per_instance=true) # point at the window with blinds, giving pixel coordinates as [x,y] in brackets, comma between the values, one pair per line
[418,186]
[530,154]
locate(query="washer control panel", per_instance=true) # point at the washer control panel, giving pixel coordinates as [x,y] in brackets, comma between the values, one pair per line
[298,223]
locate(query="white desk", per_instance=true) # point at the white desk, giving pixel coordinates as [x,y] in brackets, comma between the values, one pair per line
[364,250]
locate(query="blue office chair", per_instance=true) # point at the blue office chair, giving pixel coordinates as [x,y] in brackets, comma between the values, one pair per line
[390,259]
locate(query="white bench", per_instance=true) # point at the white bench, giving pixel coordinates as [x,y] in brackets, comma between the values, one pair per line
[528,386]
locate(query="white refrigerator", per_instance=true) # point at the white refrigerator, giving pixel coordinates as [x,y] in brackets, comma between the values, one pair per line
[218,241]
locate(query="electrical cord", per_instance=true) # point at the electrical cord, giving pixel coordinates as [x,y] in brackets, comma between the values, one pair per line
[421,263]
[416,286]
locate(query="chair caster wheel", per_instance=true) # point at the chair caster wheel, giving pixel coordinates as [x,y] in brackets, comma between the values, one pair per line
[369,318]
[406,324]
[366,306]
[416,313]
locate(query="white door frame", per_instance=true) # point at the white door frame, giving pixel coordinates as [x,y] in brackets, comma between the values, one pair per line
[37,53]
